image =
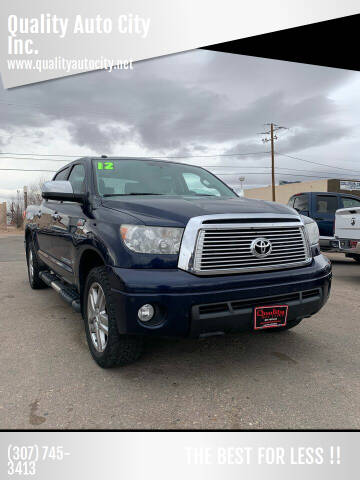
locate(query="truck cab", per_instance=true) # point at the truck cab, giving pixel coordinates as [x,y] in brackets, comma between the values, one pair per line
[321,207]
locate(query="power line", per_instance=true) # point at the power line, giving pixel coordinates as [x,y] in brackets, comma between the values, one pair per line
[281,174]
[315,163]
[42,155]
[218,173]
[205,166]
[25,170]
[280,169]
[24,159]
[7,154]
[187,156]
[209,156]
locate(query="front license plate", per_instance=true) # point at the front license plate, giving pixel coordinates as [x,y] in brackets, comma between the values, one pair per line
[270,317]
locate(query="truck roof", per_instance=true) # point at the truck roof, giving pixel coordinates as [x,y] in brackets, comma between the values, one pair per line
[325,193]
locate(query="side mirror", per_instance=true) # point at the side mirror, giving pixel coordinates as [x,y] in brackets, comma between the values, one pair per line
[61,190]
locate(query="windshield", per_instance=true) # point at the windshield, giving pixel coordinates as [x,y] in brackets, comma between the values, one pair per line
[147,177]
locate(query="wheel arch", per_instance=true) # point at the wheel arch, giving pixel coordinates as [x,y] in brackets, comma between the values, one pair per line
[90,258]
[28,237]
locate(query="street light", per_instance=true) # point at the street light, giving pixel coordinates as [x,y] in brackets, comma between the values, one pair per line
[242,179]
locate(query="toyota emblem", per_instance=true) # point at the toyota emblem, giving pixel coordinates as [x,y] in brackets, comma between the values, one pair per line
[261,247]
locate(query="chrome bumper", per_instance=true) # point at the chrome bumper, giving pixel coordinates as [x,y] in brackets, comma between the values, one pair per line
[329,244]
[344,246]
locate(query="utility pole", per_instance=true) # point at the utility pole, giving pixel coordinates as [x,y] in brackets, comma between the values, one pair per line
[242,179]
[25,198]
[273,128]
[272,162]
[18,224]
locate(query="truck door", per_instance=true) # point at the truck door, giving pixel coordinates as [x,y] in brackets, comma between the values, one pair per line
[324,213]
[64,225]
[45,218]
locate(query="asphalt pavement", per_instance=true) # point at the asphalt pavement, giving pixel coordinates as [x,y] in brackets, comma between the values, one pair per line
[306,378]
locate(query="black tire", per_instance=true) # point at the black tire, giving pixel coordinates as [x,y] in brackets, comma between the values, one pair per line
[120,349]
[356,258]
[34,279]
[288,326]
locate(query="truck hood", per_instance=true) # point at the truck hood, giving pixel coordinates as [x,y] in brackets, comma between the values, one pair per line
[169,211]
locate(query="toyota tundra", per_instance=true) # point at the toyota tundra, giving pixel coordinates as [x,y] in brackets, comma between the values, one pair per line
[143,247]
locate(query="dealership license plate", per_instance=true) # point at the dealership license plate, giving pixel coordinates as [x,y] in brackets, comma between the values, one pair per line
[270,317]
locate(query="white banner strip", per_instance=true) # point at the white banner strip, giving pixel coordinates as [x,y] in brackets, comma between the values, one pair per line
[43,40]
[176,456]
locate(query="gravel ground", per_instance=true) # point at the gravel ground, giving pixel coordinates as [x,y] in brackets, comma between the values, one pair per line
[304,378]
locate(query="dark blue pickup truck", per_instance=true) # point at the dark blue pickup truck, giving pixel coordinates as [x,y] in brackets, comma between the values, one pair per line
[145,247]
[321,207]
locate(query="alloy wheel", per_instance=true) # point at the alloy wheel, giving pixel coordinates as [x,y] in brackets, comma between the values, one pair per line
[31,265]
[97,317]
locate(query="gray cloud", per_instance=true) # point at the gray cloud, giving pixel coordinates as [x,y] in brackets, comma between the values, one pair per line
[166,107]
[193,103]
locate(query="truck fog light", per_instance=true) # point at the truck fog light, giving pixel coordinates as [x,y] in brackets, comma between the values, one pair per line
[146,312]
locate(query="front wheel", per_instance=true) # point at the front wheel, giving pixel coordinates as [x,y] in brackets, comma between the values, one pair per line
[107,346]
[33,268]
[356,258]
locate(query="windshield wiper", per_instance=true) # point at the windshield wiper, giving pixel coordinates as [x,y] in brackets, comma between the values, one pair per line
[203,195]
[125,194]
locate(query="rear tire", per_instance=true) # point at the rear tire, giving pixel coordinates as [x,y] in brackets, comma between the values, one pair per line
[108,348]
[33,268]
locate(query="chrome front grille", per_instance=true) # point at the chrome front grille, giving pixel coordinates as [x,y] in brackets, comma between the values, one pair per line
[221,249]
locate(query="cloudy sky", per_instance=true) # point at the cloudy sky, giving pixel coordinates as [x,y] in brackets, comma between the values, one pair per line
[194,105]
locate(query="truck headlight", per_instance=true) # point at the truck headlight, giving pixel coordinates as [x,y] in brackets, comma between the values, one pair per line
[158,240]
[312,230]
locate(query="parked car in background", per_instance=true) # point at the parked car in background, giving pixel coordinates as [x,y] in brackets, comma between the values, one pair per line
[347,231]
[321,207]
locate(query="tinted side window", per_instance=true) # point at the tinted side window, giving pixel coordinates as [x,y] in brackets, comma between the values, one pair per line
[63,174]
[326,204]
[350,202]
[301,203]
[77,178]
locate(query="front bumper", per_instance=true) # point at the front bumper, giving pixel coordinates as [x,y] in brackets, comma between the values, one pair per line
[177,295]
